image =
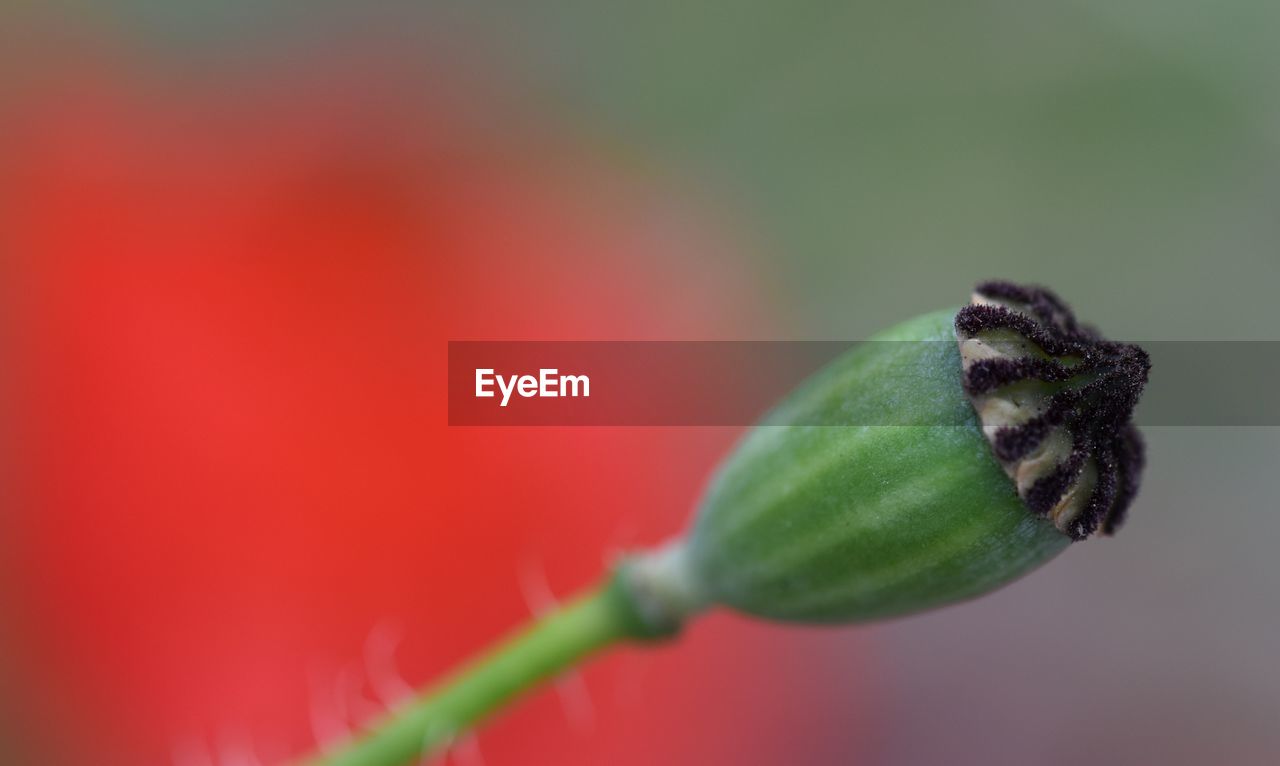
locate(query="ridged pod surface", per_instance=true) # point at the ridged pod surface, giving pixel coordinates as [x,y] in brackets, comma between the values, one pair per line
[828,511]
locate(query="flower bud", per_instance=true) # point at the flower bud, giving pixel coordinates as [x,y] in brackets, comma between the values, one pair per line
[959,453]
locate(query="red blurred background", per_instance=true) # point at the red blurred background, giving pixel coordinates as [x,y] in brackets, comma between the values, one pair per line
[236,502]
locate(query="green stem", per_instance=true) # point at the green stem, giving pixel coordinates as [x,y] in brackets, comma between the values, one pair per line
[602,616]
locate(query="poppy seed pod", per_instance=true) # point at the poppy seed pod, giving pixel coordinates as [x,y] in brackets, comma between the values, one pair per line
[950,455]
[953,454]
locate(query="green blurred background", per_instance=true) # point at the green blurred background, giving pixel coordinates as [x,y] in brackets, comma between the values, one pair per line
[1122,152]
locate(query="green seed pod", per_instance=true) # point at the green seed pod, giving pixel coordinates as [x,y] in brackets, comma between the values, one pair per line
[959,453]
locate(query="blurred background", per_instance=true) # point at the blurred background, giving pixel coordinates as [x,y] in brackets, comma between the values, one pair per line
[235,238]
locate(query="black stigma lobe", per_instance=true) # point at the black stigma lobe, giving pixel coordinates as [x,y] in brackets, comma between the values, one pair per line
[986,375]
[1130,462]
[1099,391]
[1049,489]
